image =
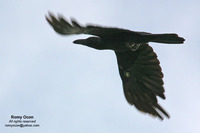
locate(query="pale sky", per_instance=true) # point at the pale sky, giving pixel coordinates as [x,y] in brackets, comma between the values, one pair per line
[75,89]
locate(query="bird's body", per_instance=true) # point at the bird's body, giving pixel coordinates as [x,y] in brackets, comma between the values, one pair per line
[138,65]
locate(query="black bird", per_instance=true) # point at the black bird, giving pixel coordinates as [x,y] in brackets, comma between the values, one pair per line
[138,65]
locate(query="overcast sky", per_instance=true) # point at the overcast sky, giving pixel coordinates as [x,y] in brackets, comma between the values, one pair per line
[75,89]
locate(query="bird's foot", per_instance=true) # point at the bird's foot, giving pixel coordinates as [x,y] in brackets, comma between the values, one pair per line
[134,47]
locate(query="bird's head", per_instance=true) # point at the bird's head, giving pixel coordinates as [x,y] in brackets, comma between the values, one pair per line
[94,42]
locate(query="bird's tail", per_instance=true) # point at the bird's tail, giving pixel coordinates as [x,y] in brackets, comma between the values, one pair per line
[165,38]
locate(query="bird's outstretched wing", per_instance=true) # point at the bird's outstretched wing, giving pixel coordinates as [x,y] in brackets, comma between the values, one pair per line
[142,79]
[64,27]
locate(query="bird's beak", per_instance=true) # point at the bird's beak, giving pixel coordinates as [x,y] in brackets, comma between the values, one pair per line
[80,41]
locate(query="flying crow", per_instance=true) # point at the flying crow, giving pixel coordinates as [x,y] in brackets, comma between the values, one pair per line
[138,65]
